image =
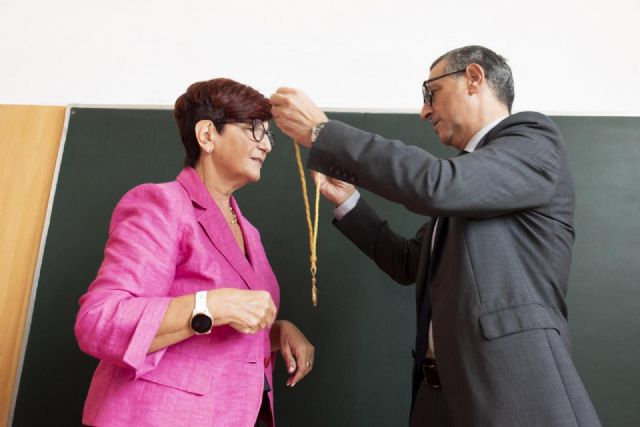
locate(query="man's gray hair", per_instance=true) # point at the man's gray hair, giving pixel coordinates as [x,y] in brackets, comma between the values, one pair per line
[496,70]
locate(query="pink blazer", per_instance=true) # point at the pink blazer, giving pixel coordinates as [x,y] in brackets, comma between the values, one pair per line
[167,240]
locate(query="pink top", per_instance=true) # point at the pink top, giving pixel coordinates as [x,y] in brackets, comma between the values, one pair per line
[167,240]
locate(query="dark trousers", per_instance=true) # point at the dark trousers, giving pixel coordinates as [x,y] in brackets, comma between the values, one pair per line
[430,408]
[265,419]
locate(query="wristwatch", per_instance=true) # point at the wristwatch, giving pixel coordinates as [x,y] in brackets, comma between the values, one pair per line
[201,320]
[315,131]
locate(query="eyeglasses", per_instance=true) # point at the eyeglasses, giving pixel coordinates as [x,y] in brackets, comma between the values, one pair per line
[427,96]
[258,130]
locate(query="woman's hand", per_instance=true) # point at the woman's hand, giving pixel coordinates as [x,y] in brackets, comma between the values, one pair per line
[333,189]
[296,350]
[244,310]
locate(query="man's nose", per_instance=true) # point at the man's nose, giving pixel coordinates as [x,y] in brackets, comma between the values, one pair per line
[425,113]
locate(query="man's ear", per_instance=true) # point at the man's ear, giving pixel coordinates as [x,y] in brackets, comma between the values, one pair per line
[475,77]
[205,131]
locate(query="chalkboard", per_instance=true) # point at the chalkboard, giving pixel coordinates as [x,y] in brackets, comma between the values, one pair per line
[363,327]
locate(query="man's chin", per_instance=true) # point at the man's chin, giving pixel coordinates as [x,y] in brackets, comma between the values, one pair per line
[445,140]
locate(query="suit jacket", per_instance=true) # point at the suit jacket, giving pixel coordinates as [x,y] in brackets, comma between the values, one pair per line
[498,273]
[167,240]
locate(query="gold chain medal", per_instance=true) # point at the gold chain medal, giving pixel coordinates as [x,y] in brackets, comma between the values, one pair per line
[313,228]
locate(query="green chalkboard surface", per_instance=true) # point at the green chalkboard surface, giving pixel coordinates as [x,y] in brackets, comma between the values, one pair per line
[363,327]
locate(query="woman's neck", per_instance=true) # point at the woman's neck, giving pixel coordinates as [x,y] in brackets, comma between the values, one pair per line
[218,188]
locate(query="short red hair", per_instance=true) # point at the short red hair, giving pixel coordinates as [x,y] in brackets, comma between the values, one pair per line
[216,100]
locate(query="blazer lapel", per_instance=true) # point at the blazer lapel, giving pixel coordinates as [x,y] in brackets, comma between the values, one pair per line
[425,267]
[425,274]
[436,253]
[441,224]
[247,234]
[215,226]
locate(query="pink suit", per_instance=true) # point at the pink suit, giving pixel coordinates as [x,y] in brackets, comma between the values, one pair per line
[167,240]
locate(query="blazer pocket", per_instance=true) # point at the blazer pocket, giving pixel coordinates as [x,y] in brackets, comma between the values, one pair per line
[181,372]
[516,319]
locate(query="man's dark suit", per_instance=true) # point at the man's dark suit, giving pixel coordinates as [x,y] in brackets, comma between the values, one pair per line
[497,277]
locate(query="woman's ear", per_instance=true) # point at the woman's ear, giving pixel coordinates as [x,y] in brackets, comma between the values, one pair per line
[204,135]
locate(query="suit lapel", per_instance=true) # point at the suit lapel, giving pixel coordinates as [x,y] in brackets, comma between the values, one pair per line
[423,271]
[438,241]
[215,226]
[423,289]
[441,224]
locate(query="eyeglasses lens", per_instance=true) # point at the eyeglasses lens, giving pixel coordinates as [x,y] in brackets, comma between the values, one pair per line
[426,95]
[257,128]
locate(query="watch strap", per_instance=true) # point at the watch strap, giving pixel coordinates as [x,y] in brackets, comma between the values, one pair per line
[201,311]
[201,302]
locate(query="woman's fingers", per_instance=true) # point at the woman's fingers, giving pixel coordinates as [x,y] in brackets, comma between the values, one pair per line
[296,350]
[289,360]
[244,310]
[304,361]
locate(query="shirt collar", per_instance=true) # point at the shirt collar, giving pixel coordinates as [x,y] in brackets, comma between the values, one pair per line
[475,139]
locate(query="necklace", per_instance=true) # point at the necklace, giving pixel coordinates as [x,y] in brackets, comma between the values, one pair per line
[233,214]
[312,225]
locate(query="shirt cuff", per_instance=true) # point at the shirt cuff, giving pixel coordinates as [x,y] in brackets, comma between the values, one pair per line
[346,206]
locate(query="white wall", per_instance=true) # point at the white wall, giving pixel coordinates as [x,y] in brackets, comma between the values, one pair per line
[568,57]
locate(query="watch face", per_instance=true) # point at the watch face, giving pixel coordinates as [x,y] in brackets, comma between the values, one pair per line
[201,323]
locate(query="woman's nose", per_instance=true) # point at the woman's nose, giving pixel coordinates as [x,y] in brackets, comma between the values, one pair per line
[265,144]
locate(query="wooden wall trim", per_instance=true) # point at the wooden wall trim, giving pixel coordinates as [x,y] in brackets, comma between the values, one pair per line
[29,148]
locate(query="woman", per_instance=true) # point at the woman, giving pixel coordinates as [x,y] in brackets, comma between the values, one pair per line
[182,311]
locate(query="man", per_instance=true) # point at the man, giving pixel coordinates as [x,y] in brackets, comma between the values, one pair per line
[491,267]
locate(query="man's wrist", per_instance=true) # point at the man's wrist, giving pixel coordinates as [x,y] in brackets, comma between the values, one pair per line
[315,131]
[346,206]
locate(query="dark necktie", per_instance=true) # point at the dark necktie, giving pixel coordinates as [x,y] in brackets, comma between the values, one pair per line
[424,315]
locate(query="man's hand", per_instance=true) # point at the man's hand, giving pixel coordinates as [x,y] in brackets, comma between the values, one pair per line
[296,350]
[295,114]
[333,189]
